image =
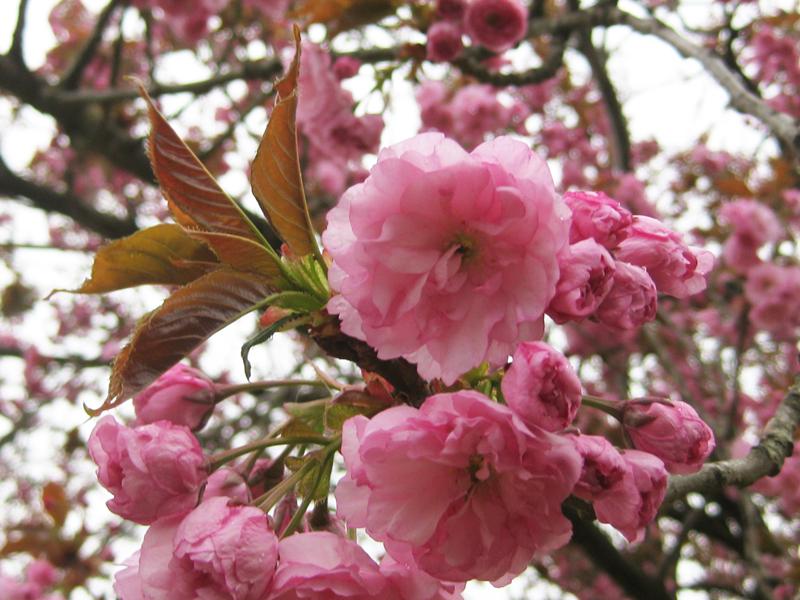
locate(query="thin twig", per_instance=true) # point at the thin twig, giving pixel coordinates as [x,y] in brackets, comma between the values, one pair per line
[72,77]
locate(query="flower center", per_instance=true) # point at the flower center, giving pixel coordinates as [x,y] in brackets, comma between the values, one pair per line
[466,247]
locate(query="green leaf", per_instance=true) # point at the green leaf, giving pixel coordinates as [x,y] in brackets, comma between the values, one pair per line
[276,178]
[184,321]
[300,302]
[261,337]
[308,417]
[164,254]
[316,484]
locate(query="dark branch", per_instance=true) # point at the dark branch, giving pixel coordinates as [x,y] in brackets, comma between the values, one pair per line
[741,98]
[599,549]
[549,67]
[620,142]
[766,459]
[15,51]
[411,388]
[72,77]
[77,361]
[49,200]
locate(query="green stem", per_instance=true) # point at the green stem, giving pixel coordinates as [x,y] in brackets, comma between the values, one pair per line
[301,510]
[609,407]
[227,391]
[221,458]
[273,496]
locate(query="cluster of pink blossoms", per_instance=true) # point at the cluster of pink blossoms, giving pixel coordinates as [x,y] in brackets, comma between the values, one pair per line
[494,24]
[336,138]
[204,540]
[40,577]
[451,259]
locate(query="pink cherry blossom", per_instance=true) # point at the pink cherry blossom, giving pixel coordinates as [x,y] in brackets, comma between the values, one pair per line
[228,483]
[476,111]
[603,466]
[452,10]
[217,551]
[153,470]
[444,41]
[586,278]
[319,565]
[671,430]
[541,387]
[632,505]
[754,225]
[676,269]
[496,24]
[182,395]
[408,582]
[487,490]
[632,299]
[596,216]
[445,258]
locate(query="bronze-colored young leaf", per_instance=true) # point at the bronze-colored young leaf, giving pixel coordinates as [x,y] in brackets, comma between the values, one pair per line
[343,15]
[194,196]
[275,177]
[184,321]
[164,254]
[242,254]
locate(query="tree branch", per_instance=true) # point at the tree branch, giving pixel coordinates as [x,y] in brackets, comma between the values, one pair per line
[741,98]
[49,200]
[620,141]
[765,459]
[599,549]
[15,51]
[547,70]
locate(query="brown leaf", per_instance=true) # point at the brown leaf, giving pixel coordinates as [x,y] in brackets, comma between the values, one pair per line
[194,196]
[164,254]
[242,254]
[184,321]
[55,502]
[275,177]
[343,15]
[730,185]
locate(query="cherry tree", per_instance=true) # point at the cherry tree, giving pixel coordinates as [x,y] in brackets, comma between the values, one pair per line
[328,353]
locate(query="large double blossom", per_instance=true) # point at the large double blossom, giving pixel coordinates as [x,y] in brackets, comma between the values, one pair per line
[444,257]
[460,486]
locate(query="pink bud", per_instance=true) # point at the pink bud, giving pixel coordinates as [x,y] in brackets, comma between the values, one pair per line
[676,269]
[586,277]
[632,300]
[603,466]
[541,387]
[496,24]
[444,42]
[153,470]
[346,67]
[227,483]
[596,216]
[633,503]
[671,430]
[182,395]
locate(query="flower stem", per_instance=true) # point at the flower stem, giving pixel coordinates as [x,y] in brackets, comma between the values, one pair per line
[609,407]
[227,391]
[226,456]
